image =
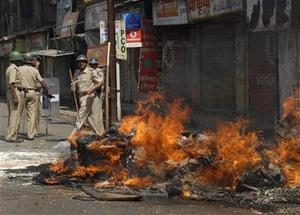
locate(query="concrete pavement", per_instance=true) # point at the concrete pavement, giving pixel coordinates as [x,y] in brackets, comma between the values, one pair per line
[42,149]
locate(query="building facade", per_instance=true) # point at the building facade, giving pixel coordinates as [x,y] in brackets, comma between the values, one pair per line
[225,58]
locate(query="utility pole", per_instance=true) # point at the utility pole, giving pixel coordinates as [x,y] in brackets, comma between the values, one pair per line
[112,67]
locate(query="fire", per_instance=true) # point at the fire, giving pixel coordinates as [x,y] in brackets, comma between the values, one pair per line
[158,134]
[287,153]
[159,146]
[288,159]
[157,127]
[88,171]
[287,156]
[139,182]
[291,106]
[101,160]
[72,139]
[234,154]
[186,194]
[58,167]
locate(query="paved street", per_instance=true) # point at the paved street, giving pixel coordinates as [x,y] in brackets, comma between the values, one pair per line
[20,196]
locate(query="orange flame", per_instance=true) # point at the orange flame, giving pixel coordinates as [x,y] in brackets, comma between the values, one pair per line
[139,182]
[157,127]
[287,154]
[235,154]
[157,132]
[287,157]
[291,105]
[186,194]
[58,167]
[72,139]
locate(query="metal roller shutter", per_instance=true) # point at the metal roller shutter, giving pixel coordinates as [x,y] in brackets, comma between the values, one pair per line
[263,86]
[129,77]
[217,68]
[175,51]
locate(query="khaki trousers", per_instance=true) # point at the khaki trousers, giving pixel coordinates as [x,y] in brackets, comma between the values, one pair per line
[89,113]
[97,110]
[15,115]
[31,105]
[38,115]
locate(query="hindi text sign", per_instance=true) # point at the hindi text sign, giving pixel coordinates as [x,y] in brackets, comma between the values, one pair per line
[169,12]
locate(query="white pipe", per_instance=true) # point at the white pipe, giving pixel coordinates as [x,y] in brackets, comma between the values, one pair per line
[118,90]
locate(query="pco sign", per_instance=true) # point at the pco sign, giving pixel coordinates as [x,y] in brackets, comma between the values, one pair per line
[121,50]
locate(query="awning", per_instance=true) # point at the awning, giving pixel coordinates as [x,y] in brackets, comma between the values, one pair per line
[51,53]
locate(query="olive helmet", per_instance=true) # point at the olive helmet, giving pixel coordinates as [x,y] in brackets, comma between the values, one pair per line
[81,58]
[15,55]
[28,58]
[93,61]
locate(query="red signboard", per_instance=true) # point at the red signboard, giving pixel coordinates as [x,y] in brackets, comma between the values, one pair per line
[148,71]
[134,38]
[201,9]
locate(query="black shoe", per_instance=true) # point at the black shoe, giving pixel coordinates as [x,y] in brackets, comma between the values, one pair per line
[30,138]
[18,140]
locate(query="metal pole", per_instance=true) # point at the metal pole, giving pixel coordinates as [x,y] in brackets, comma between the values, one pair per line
[118,91]
[112,68]
[107,90]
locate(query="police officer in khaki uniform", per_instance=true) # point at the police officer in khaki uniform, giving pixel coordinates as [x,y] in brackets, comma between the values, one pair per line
[86,82]
[99,94]
[14,96]
[31,79]
[36,63]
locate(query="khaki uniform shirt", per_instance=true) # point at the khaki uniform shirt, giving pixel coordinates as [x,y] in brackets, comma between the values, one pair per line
[87,79]
[31,77]
[100,72]
[13,75]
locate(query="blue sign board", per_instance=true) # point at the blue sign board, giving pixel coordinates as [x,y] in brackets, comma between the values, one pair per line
[132,21]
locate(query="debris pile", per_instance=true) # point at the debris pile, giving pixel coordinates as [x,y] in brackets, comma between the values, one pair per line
[152,152]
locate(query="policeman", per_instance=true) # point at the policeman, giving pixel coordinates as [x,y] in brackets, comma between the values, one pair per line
[98,102]
[14,96]
[36,63]
[31,79]
[86,82]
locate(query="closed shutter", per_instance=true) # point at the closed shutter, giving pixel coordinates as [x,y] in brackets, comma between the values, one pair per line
[125,81]
[296,14]
[129,77]
[217,68]
[263,86]
[134,71]
[175,50]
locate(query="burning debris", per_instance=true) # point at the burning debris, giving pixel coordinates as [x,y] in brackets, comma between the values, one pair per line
[151,152]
